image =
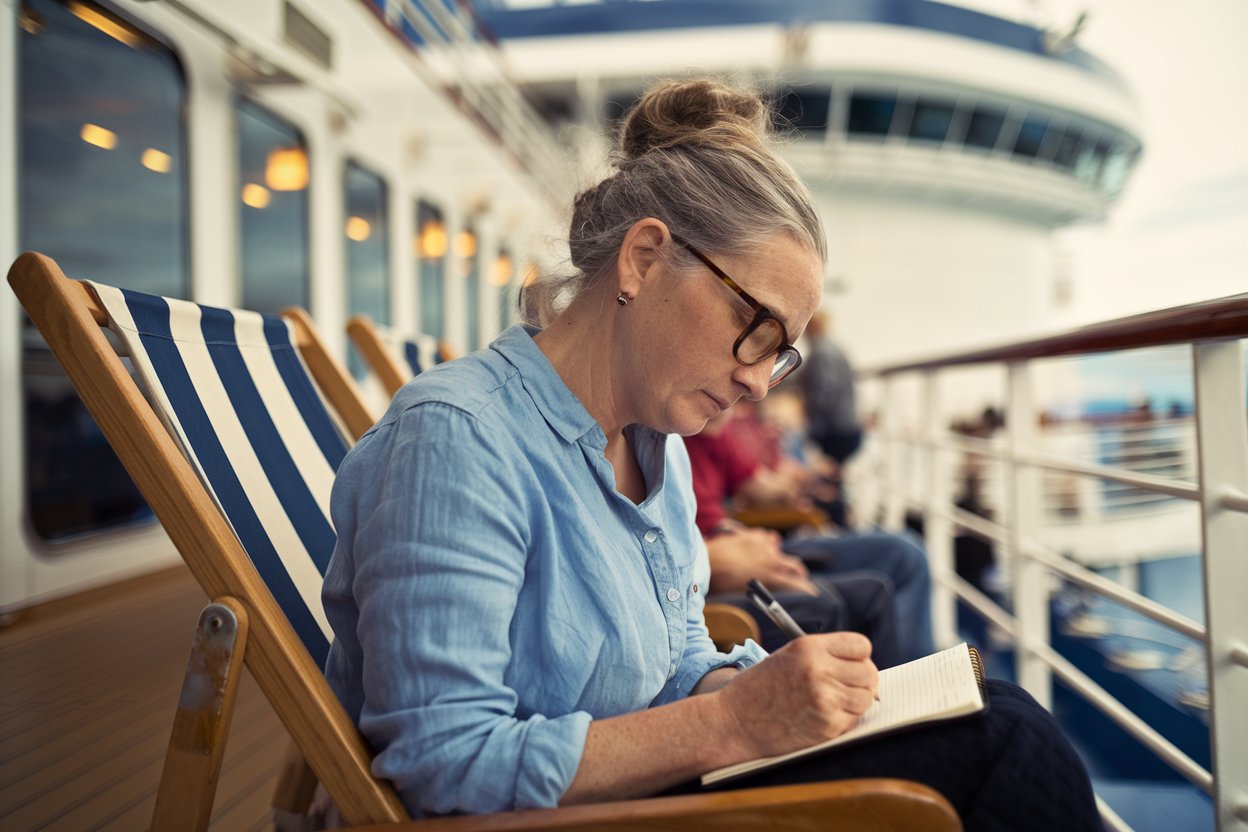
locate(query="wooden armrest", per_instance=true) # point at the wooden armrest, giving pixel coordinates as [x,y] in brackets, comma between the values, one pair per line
[781,518]
[863,805]
[730,626]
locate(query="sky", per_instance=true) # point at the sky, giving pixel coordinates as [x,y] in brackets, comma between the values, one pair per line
[1179,232]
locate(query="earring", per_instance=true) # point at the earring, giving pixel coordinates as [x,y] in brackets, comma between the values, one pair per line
[623,299]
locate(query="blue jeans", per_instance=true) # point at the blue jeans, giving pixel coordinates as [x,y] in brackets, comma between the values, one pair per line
[896,557]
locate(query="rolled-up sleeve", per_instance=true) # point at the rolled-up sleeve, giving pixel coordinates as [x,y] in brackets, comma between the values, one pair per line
[439,554]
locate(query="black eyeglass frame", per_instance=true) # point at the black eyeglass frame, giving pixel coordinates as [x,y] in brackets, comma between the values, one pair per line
[761,313]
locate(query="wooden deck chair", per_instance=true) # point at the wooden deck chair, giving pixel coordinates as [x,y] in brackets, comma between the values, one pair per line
[235,450]
[393,359]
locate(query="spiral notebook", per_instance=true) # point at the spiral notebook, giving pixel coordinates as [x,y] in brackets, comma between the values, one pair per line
[935,688]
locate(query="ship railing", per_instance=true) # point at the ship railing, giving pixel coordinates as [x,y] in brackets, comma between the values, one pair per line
[470,65]
[925,447]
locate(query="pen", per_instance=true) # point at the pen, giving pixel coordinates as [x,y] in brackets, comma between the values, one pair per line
[762,598]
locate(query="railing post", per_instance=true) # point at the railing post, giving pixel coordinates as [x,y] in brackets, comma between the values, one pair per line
[1030,580]
[894,496]
[1222,446]
[937,527]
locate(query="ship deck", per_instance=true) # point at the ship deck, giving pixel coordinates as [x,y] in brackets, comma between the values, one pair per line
[87,697]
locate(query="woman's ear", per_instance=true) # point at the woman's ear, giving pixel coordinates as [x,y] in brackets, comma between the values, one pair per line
[640,251]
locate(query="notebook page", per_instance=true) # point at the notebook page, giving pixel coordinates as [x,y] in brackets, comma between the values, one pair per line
[939,686]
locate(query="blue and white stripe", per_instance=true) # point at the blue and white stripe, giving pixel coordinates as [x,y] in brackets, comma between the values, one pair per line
[233,390]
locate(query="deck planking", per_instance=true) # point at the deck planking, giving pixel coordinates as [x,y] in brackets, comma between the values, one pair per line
[88,689]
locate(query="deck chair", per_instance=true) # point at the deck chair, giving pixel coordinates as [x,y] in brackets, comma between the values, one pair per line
[235,448]
[393,359]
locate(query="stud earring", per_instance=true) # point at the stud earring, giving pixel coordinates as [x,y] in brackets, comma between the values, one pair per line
[623,299]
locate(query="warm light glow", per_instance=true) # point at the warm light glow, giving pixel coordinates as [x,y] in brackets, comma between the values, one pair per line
[358,229]
[256,196]
[465,244]
[500,272]
[531,273]
[104,23]
[157,161]
[98,136]
[286,169]
[432,241]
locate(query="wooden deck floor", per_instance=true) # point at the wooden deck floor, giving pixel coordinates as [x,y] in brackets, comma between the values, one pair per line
[88,687]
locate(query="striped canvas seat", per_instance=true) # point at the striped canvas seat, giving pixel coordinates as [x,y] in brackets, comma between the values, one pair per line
[394,359]
[233,390]
[421,352]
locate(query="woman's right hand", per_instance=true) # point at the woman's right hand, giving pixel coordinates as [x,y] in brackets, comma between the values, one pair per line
[813,689]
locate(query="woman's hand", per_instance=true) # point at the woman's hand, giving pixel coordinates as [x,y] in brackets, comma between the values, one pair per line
[811,690]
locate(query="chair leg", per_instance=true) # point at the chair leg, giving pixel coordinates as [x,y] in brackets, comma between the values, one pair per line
[201,726]
[292,798]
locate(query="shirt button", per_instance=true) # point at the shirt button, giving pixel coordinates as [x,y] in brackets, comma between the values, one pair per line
[673,595]
[651,536]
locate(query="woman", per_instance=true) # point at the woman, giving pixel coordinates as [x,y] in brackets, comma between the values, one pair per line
[517,588]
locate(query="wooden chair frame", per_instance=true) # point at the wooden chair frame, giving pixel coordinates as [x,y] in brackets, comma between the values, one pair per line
[70,318]
[379,355]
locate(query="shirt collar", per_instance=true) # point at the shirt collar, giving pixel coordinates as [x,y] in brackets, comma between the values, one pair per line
[561,409]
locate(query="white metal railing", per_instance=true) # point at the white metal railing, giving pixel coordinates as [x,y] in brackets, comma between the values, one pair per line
[472,67]
[1220,489]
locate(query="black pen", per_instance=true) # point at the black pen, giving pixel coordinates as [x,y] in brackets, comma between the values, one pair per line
[765,601]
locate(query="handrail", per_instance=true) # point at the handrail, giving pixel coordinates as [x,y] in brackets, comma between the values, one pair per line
[1209,320]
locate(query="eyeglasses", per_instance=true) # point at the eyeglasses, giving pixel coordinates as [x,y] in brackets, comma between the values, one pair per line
[763,337]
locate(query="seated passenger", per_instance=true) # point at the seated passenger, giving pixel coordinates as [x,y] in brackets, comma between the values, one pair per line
[518,584]
[727,463]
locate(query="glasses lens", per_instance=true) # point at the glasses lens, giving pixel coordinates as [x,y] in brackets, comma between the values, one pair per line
[786,362]
[761,342]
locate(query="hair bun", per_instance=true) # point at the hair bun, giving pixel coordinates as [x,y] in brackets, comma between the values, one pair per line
[700,113]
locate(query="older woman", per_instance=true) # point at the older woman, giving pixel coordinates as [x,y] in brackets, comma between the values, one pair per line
[518,585]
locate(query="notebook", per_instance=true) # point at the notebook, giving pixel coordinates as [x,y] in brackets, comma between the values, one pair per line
[935,688]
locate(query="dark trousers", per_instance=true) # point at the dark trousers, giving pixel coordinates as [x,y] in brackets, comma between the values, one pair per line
[861,602]
[1010,768]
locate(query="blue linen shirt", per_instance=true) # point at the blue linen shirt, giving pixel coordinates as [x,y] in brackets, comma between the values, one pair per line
[491,592]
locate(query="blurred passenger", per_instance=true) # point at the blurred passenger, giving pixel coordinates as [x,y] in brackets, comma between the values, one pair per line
[827,384]
[727,467]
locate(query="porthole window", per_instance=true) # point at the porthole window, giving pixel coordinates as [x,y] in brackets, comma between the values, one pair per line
[368,261]
[102,188]
[272,211]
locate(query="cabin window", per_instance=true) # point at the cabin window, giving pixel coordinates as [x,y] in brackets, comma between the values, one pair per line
[501,274]
[931,120]
[102,188]
[1067,144]
[1030,137]
[368,251]
[469,262]
[272,211]
[984,128]
[431,246]
[871,115]
[804,109]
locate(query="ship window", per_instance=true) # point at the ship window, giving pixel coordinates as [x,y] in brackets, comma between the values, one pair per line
[1067,144]
[1088,160]
[804,109]
[501,274]
[984,127]
[273,211]
[1114,173]
[431,245]
[468,261]
[368,262]
[1030,137]
[931,120]
[102,188]
[871,115]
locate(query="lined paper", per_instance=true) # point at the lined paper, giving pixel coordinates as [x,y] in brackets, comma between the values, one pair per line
[936,687]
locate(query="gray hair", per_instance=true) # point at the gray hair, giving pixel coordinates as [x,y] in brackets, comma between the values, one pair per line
[696,155]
